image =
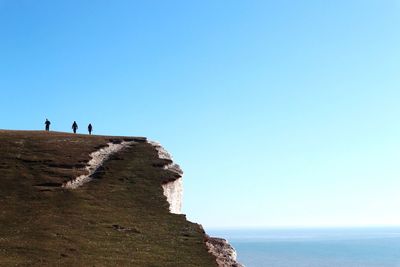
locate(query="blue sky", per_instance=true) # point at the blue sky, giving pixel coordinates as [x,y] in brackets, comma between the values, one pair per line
[281,113]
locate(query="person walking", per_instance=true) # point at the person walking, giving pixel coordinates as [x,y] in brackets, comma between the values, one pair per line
[74,127]
[90,128]
[47,123]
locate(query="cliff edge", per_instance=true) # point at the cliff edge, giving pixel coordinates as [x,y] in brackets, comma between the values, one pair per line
[224,253]
[77,200]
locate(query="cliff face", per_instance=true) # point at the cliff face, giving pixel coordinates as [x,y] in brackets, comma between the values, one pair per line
[66,201]
[173,191]
[224,253]
[173,188]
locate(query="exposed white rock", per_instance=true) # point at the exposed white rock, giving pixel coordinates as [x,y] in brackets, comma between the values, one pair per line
[172,190]
[98,158]
[223,251]
[225,254]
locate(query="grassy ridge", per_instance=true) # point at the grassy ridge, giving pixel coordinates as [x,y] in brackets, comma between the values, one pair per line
[119,219]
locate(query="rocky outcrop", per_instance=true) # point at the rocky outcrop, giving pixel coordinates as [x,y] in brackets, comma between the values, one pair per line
[223,251]
[173,190]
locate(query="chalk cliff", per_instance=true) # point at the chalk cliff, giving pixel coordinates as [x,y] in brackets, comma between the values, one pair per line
[173,188]
[225,254]
[77,200]
[223,251]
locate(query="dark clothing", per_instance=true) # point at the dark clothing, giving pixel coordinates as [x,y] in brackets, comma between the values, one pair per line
[90,128]
[74,126]
[47,123]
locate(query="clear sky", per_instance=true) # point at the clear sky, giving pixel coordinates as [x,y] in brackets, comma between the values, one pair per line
[281,113]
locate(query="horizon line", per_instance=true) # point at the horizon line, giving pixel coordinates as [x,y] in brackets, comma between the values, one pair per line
[288,227]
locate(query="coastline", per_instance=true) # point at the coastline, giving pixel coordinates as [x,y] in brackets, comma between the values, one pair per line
[315,247]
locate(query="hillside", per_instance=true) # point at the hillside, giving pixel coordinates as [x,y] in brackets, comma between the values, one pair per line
[119,218]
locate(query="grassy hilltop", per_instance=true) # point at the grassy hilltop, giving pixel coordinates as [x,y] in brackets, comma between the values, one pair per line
[121,218]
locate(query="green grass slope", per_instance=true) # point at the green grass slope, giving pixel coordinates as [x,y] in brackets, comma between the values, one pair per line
[121,218]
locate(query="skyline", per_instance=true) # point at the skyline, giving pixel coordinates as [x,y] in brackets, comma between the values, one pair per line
[280,114]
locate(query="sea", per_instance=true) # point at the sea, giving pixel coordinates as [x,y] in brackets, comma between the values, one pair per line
[319,247]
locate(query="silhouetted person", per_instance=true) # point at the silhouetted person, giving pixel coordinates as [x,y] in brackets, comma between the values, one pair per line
[74,127]
[90,128]
[47,123]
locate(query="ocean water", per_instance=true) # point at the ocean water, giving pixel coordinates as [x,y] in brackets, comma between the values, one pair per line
[341,247]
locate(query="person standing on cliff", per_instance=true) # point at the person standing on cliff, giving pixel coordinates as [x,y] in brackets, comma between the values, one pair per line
[74,127]
[90,128]
[47,123]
